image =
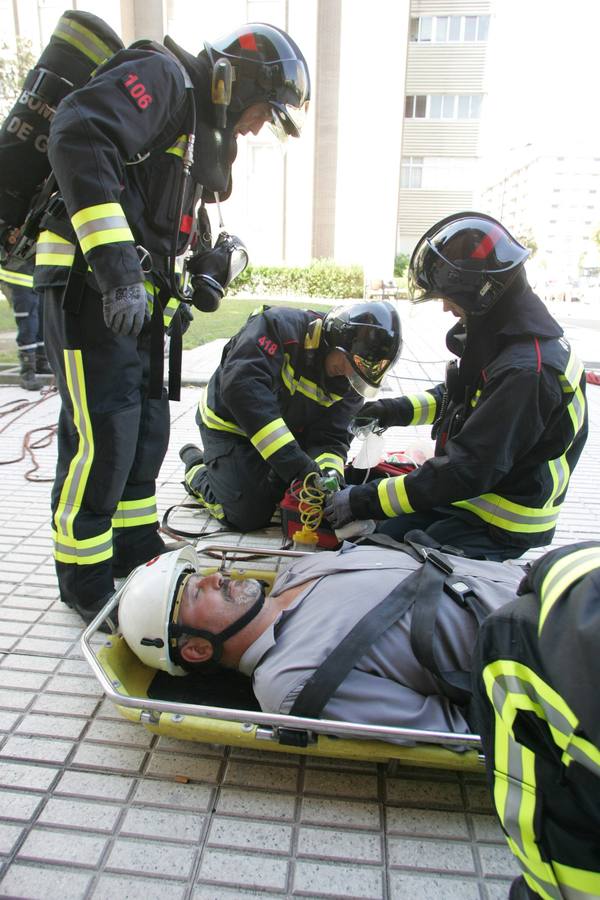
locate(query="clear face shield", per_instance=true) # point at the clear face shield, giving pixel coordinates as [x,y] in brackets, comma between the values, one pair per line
[368,375]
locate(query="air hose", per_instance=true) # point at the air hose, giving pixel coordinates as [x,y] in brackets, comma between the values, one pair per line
[311,496]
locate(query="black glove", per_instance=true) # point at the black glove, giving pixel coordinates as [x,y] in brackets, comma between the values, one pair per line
[125,309]
[337,508]
[308,466]
[186,316]
[382,410]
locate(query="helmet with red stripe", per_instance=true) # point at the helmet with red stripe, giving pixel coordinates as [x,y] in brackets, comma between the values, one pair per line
[260,63]
[468,258]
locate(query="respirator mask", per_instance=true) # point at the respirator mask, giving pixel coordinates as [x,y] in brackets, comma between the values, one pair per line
[212,271]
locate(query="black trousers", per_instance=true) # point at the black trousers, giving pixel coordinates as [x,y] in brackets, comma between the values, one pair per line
[112,440]
[443,526]
[234,482]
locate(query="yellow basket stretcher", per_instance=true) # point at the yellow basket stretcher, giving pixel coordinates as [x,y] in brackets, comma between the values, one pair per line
[126,681]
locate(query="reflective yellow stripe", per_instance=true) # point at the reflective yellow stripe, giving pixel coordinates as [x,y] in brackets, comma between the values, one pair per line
[331,461]
[475,398]
[579,880]
[424,408]
[179,147]
[170,310]
[312,338]
[79,469]
[103,224]
[212,420]
[511,516]
[392,496]
[305,386]
[215,509]
[85,552]
[53,250]
[272,437]
[18,278]
[130,513]
[561,576]
[83,39]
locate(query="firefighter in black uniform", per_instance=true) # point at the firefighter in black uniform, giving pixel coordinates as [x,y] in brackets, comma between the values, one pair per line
[121,152]
[16,281]
[536,674]
[510,422]
[279,404]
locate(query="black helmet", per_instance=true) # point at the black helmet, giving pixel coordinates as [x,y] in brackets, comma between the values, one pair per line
[260,63]
[370,336]
[468,258]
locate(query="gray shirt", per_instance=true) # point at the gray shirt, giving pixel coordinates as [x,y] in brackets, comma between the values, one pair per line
[387,686]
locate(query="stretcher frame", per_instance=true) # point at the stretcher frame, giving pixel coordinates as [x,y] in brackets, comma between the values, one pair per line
[125,680]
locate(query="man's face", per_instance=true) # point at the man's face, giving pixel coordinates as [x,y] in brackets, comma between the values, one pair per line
[253,118]
[213,602]
[336,364]
[455,309]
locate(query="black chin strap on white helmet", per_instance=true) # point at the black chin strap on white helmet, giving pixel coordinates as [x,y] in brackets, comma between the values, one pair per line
[215,640]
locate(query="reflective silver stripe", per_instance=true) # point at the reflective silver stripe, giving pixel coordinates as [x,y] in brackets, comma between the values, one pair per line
[265,445]
[103,224]
[424,407]
[304,386]
[212,420]
[561,576]
[76,34]
[77,475]
[82,552]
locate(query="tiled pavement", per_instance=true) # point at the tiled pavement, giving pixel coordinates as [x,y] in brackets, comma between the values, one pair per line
[94,806]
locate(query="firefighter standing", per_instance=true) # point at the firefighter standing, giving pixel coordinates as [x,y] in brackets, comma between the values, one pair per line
[279,404]
[120,149]
[510,422]
[536,673]
[16,280]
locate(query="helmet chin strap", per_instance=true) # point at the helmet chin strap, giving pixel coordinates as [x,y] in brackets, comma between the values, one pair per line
[215,640]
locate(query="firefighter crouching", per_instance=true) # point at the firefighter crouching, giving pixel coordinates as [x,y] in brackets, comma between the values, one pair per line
[279,404]
[510,422]
[536,676]
[121,152]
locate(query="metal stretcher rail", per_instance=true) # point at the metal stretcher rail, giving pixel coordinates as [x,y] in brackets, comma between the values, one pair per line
[254,718]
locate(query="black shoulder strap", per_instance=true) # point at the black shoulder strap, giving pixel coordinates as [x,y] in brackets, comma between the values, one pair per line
[327,678]
[454,684]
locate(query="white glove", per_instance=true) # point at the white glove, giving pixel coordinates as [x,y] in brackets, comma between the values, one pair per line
[125,309]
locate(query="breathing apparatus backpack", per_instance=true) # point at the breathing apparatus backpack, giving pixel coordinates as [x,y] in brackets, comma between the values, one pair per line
[80,43]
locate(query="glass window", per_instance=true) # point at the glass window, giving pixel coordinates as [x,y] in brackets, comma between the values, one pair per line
[470,28]
[475,106]
[425,28]
[441,28]
[483,27]
[409,106]
[414,29]
[435,106]
[448,104]
[454,34]
[463,106]
[411,172]
[420,107]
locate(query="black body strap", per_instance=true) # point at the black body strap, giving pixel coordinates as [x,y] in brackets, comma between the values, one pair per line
[325,680]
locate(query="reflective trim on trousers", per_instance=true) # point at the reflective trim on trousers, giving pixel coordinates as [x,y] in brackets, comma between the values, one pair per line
[79,469]
[130,513]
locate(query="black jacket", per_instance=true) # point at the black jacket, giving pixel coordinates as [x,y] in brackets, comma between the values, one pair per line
[116,147]
[510,427]
[271,389]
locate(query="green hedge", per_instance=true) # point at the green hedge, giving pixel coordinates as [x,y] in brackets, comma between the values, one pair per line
[322,278]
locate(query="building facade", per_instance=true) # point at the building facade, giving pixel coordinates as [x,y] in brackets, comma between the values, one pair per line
[443,102]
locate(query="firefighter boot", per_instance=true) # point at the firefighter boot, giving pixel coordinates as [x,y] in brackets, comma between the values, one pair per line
[42,366]
[190,455]
[27,378]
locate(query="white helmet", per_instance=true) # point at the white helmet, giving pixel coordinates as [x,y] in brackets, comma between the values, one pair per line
[146,605]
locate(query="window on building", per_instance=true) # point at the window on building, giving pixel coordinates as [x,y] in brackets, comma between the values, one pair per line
[411,172]
[442,106]
[441,29]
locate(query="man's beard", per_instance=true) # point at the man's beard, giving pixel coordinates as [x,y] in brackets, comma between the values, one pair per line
[241,591]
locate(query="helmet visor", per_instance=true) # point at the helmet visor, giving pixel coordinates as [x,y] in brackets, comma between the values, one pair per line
[424,273]
[287,121]
[368,391]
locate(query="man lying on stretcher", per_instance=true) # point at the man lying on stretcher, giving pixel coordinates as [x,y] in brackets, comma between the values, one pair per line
[409,657]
